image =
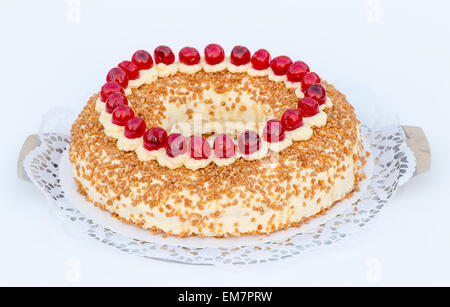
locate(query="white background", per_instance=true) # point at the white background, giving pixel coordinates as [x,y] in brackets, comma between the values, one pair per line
[388,56]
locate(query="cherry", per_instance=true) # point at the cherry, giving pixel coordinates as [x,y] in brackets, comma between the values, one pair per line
[176,145]
[214,54]
[142,59]
[249,142]
[308,106]
[189,56]
[296,71]
[240,55]
[155,138]
[273,131]
[135,128]
[292,119]
[131,69]
[261,59]
[114,100]
[280,65]
[200,148]
[224,146]
[121,115]
[318,92]
[164,54]
[108,88]
[118,75]
[309,79]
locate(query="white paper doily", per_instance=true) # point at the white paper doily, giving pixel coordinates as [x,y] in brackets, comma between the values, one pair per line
[393,165]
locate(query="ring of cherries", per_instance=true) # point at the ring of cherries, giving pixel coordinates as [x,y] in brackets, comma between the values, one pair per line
[113,94]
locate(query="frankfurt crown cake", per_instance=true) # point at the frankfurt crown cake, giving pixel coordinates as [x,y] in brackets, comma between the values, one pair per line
[215,145]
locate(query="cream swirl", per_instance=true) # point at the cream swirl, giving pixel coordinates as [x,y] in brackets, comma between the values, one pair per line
[161,70]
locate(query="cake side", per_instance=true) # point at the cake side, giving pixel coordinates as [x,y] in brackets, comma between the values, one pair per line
[248,197]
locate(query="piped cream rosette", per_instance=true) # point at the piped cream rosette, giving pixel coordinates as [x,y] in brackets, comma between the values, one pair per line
[161,70]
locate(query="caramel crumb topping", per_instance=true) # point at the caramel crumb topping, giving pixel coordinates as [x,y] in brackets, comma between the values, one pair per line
[273,179]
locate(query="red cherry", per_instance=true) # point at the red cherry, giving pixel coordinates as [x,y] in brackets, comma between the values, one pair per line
[240,55]
[155,138]
[108,88]
[296,71]
[176,145]
[261,59]
[292,119]
[189,56]
[273,131]
[142,59]
[131,69]
[114,100]
[308,106]
[135,128]
[118,75]
[318,92]
[121,115]
[164,54]
[249,142]
[224,146]
[280,65]
[214,54]
[200,148]
[309,79]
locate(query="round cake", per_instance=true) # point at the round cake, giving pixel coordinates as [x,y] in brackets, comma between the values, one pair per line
[216,145]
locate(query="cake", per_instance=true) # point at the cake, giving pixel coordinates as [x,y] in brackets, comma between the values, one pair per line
[216,145]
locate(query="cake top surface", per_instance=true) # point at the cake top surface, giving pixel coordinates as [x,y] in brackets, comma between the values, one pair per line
[217,97]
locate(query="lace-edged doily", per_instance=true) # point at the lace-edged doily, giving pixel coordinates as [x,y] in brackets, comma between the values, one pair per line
[394,164]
